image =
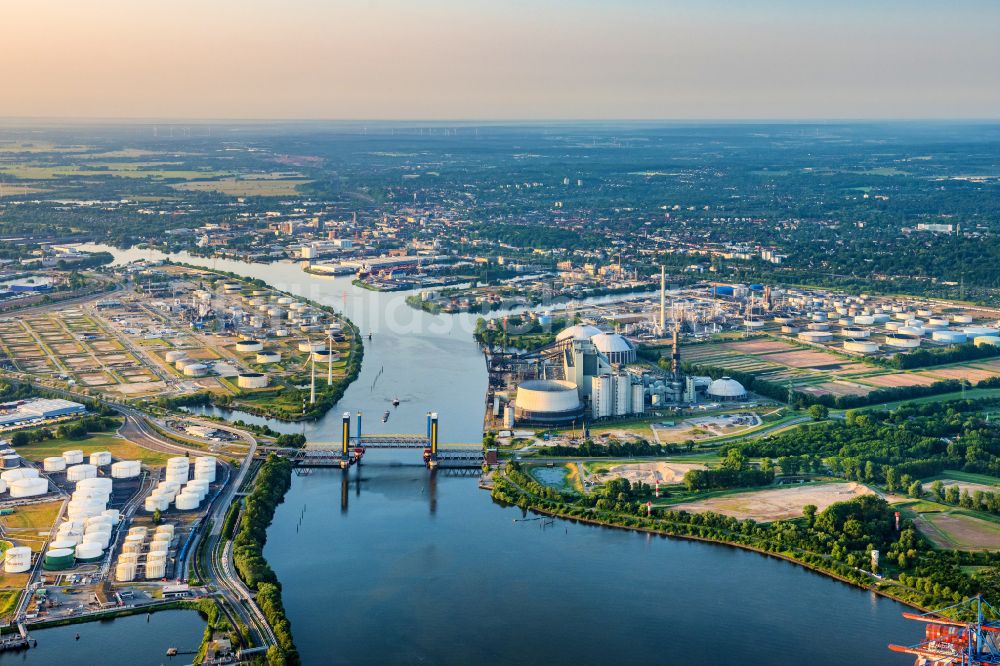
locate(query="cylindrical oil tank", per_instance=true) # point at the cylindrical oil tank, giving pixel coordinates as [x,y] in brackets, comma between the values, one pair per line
[83,509]
[205,474]
[114,515]
[915,331]
[310,347]
[789,330]
[178,461]
[249,346]
[165,528]
[981,330]
[125,469]
[132,558]
[103,484]
[74,457]
[125,572]
[982,340]
[100,539]
[12,475]
[89,552]
[936,323]
[132,547]
[99,458]
[59,559]
[54,464]
[177,476]
[268,357]
[815,336]
[864,320]
[174,355]
[17,559]
[10,461]
[70,537]
[949,337]
[902,341]
[252,380]
[156,569]
[138,530]
[893,326]
[3,486]
[80,472]
[182,363]
[961,319]
[156,503]
[187,501]
[855,333]
[819,326]
[196,370]
[97,521]
[61,544]
[29,487]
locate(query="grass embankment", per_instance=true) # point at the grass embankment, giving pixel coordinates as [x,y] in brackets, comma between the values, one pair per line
[268,491]
[775,539]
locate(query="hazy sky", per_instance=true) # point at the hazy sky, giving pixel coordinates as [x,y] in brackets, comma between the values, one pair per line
[500,59]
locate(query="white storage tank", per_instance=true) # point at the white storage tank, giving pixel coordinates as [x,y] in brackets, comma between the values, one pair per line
[864,320]
[182,363]
[54,464]
[125,572]
[156,569]
[855,333]
[61,544]
[99,458]
[915,331]
[893,326]
[95,521]
[156,503]
[982,340]
[17,559]
[815,336]
[74,457]
[12,475]
[80,472]
[311,347]
[937,322]
[138,530]
[860,346]
[949,337]
[10,460]
[902,341]
[252,380]
[100,539]
[174,355]
[89,552]
[126,469]
[132,558]
[268,357]
[132,547]
[29,487]
[961,319]
[980,330]
[114,515]
[196,370]
[187,501]
[70,537]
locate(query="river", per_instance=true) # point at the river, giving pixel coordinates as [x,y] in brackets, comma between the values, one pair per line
[392,564]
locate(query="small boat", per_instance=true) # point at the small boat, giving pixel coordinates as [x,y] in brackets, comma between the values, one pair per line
[385,417]
[395,402]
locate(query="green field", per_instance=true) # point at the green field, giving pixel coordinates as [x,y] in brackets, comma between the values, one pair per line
[119,447]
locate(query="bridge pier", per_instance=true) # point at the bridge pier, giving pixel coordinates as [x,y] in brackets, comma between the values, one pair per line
[345,450]
[432,419]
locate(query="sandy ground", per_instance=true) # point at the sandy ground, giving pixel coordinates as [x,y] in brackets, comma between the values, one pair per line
[650,472]
[952,530]
[777,503]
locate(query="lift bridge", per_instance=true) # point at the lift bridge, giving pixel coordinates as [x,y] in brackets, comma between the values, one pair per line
[352,448]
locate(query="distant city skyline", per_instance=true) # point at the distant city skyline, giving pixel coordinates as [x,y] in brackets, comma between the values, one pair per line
[511,60]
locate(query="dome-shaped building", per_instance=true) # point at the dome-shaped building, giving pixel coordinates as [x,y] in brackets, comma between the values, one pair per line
[578,332]
[726,388]
[615,347]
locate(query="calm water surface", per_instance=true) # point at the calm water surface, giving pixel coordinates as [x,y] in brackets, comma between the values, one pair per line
[393,564]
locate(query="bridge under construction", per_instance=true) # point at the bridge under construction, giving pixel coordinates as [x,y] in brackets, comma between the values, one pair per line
[352,448]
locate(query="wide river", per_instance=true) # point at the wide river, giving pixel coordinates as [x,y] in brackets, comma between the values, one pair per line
[392,564]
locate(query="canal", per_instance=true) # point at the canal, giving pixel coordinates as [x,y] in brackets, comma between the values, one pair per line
[391,564]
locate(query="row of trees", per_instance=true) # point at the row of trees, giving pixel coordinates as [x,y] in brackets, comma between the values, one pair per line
[273,480]
[921,358]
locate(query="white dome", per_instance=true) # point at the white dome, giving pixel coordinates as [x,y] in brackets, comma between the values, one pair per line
[726,388]
[578,332]
[611,342]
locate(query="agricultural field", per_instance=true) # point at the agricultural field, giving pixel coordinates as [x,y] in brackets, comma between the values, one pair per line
[958,530]
[816,371]
[246,187]
[776,503]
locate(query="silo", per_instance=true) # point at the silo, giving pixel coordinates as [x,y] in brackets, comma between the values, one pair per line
[89,552]
[99,458]
[74,457]
[125,572]
[17,559]
[54,464]
[59,559]
[80,472]
[125,469]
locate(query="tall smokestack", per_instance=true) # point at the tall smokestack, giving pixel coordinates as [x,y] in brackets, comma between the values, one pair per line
[675,357]
[663,300]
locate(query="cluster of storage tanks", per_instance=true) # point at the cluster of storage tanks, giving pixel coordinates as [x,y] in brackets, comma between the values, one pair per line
[23,482]
[903,328]
[189,366]
[180,488]
[155,560]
